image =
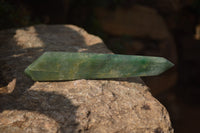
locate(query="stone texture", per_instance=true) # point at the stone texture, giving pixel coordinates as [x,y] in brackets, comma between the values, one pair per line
[141,30]
[123,105]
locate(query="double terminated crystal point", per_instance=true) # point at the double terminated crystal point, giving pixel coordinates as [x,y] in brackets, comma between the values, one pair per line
[54,66]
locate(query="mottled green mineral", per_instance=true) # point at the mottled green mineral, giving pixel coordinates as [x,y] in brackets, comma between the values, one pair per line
[55,66]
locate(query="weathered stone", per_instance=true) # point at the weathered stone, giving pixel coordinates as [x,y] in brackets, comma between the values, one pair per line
[72,106]
[87,106]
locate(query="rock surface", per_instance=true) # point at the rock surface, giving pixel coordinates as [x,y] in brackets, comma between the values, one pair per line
[99,106]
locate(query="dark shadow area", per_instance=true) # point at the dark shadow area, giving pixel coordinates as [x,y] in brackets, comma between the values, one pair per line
[52,105]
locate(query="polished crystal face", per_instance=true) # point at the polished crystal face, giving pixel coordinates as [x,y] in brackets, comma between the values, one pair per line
[55,66]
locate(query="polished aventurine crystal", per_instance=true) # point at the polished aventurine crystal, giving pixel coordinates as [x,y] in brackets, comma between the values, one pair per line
[55,66]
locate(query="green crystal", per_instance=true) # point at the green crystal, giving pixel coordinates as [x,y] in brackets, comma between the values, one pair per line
[54,66]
